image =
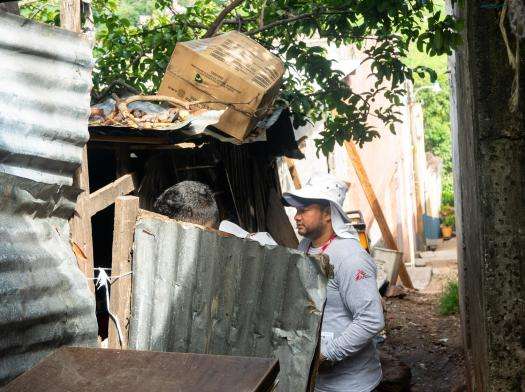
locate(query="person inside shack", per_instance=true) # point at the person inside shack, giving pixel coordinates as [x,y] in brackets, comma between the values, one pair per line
[189,201]
[353,313]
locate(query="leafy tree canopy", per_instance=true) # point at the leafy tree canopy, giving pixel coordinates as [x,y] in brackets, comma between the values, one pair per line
[137,50]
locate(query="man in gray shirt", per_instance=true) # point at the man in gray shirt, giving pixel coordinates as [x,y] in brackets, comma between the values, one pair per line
[353,313]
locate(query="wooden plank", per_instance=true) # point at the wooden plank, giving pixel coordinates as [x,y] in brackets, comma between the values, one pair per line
[376,209]
[70,15]
[277,222]
[159,140]
[293,173]
[126,211]
[106,196]
[80,223]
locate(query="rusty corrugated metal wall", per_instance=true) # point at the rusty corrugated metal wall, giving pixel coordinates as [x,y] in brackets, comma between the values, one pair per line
[194,291]
[44,106]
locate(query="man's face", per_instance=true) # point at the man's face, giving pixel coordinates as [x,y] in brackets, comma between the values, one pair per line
[312,220]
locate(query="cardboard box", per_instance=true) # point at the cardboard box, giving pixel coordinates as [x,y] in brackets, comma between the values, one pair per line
[230,68]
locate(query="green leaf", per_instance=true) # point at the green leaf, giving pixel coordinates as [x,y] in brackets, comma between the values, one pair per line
[437,42]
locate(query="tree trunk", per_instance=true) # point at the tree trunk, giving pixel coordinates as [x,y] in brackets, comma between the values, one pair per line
[489,160]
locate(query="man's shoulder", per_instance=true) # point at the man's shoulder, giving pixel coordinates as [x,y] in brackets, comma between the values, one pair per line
[352,254]
[350,246]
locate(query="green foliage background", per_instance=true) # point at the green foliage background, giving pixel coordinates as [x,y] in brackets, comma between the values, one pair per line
[137,51]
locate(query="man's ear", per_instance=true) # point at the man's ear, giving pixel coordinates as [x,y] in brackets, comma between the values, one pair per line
[327,215]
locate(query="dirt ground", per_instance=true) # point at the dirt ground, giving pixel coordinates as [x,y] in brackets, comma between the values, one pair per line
[430,344]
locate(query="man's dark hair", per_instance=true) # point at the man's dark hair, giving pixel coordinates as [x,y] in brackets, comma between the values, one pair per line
[189,201]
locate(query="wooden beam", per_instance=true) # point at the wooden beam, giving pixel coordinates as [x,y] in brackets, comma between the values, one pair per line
[70,15]
[293,172]
[158,140]
[126,211]
[376,209]
[80,223]
[107,195]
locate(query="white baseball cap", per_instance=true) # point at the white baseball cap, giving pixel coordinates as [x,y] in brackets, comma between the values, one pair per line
[324,186]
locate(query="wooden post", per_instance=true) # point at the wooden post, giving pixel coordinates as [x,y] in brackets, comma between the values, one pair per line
[80,223]
[70,15]
[417,146]
[293,172]
[376,209]
[126,211]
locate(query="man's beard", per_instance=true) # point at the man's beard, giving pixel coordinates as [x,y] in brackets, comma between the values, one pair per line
[314,233]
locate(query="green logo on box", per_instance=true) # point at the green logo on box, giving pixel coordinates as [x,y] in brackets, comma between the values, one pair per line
[198,78]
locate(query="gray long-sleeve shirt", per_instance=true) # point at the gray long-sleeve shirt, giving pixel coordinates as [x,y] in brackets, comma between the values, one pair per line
[353,316]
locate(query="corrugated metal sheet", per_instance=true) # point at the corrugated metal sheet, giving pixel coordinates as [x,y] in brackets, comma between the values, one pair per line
[44,100]
[194,291]
[44,107]
[44,299]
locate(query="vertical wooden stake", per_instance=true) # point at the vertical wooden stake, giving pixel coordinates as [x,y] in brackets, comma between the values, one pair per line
[70,15]
[293,172]
[417,149]
[126,211]
[80,223]
[376,209]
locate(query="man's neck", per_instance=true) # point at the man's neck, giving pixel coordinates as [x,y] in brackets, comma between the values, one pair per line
[323,238]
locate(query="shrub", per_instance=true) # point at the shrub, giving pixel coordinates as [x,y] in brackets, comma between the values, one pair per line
[449,301]
[449,220]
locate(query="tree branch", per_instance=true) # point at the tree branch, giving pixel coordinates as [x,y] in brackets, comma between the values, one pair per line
[217,23]
[280,22]
[152,30]
[261,15]
[238,20]
[295,18]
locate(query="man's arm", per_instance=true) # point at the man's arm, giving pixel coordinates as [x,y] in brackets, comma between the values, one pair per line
[358,290]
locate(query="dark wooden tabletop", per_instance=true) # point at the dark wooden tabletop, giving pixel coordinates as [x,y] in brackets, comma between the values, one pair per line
[87,369]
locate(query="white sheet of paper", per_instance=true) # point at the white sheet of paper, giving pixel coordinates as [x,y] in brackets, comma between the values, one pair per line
[262,237]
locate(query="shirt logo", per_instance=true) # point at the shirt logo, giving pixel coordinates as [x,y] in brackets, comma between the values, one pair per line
[360,274]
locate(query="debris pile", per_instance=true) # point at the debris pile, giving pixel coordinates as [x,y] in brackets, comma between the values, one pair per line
[118,113]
